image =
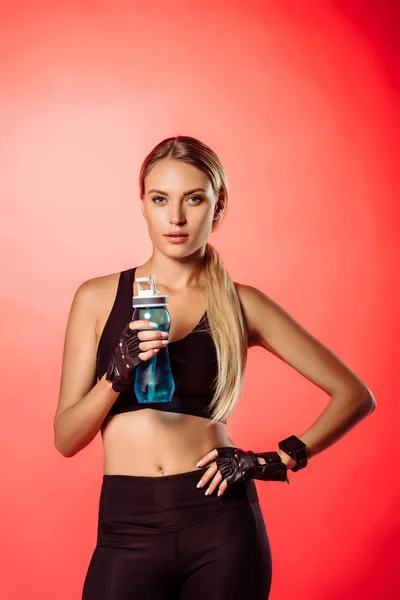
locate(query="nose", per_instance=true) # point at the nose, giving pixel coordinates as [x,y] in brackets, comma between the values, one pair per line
[177,216]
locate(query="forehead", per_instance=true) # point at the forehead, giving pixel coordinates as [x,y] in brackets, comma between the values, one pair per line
[172,175]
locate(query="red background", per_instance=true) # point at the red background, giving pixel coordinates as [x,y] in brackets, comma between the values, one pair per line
[297,98]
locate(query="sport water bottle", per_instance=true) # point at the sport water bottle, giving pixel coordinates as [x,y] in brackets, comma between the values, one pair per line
[154,381]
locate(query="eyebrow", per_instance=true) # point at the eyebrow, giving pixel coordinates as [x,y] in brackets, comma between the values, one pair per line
[184,193]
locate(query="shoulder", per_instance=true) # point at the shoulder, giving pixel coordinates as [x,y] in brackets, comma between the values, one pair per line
[93,294]
[249,298]
[249,293]
[259,310]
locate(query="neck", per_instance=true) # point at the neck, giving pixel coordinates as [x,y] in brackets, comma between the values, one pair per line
[175,274]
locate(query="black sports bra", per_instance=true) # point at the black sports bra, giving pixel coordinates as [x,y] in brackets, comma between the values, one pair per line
[193,360]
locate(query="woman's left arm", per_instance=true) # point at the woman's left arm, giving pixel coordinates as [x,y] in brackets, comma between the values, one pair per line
[271,327]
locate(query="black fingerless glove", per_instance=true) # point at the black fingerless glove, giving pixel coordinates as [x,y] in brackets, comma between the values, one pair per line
[124,360]
[241,465]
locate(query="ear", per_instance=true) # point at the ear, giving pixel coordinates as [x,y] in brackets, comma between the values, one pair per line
[219,206]
[143,211]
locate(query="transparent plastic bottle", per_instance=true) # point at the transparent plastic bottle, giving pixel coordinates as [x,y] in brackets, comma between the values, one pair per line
[154,381]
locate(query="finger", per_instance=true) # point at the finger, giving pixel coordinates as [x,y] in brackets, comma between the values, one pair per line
[205,478]
[214,483]
[223,487]
[148,354]
[144,346]
[146,335]
[210,456]
[142,324]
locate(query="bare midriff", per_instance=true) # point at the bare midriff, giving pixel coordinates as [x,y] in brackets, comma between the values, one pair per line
[154,443]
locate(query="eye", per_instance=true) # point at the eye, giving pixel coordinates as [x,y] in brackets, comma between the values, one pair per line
[155,198]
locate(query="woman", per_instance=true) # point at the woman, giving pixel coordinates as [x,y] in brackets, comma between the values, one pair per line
[162,533]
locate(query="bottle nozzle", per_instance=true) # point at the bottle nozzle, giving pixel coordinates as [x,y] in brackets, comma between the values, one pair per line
[151,291]
[150,296]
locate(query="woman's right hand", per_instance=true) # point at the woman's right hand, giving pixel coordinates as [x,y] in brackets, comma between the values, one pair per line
[150,341]
[133,347]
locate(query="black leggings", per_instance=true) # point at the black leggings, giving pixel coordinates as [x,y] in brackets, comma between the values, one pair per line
[161,538]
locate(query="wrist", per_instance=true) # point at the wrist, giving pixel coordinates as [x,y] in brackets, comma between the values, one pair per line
[288,460]
[285,458]
[109,384]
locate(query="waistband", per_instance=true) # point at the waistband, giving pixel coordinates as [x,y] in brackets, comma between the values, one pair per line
[166,502]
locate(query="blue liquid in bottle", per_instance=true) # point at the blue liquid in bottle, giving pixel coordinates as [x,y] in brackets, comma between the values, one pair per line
[154,381]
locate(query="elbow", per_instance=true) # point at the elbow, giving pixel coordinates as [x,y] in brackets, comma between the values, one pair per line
[367,401]
[359,399]
[60,442]
[372,405]
[62,449]
[370,400]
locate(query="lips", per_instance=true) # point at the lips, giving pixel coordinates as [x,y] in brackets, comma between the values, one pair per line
[177,234]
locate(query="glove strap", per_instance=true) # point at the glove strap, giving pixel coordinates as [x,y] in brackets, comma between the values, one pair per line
[274,468]
[124,360]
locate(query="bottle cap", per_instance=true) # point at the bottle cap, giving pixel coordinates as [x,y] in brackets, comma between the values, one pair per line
[150,296]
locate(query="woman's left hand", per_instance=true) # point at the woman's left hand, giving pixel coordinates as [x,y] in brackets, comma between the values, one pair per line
[212,473]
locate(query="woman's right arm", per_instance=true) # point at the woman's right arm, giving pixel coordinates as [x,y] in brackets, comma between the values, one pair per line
[82,404]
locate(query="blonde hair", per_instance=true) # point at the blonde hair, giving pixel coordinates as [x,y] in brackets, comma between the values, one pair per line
[224,311]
